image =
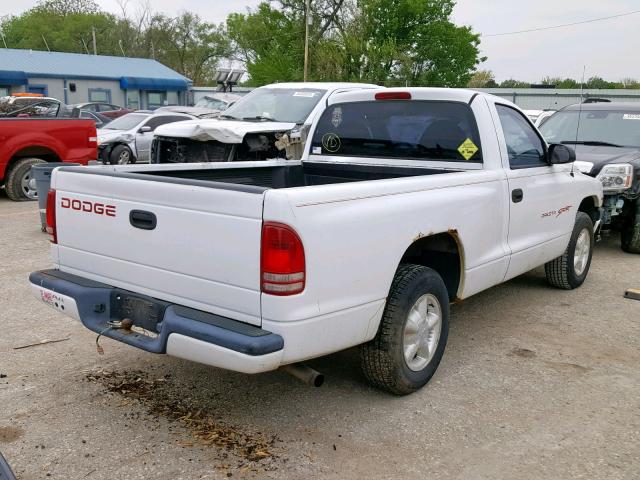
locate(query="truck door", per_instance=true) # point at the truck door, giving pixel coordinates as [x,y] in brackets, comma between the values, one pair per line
[541,217]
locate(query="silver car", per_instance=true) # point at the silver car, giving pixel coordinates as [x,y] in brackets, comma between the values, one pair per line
[128,139]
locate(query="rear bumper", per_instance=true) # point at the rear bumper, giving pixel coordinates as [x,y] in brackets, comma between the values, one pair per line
[172,329]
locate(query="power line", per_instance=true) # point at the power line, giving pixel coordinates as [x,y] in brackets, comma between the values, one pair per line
[561,26]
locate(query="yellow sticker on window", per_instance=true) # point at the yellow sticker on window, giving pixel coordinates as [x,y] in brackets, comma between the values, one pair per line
[468,149]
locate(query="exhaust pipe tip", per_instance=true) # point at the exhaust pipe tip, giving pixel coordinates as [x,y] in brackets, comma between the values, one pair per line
[305,374]
[318,381]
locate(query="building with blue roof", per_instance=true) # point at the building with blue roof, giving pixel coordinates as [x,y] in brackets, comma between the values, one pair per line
[137,83]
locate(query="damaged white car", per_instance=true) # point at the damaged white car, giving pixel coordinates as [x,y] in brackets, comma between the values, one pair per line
[270,122]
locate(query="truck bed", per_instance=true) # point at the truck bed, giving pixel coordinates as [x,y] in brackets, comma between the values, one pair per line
[278,174]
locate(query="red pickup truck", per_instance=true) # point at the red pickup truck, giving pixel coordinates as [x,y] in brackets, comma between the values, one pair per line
[25,142]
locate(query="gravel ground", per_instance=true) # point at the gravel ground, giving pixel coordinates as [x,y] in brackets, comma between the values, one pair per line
[536,383]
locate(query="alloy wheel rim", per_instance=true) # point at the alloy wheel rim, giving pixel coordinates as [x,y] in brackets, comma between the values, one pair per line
[581,253]
[25,184]
[123,158]
[421,333]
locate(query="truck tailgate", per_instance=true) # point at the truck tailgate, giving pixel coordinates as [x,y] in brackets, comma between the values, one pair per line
[204,251]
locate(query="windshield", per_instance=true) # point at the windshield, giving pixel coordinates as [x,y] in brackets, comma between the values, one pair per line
[276,104]
[611,127]
[126,122]
[212,103]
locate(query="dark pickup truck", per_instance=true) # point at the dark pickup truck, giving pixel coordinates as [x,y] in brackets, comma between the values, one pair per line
[25,142]
[606,138]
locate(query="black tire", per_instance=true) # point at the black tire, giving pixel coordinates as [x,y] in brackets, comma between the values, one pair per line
[561,272]
[119,154]
[19,172]
[630,234]
[382,359]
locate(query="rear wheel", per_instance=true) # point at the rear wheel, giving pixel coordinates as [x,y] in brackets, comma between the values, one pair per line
[121,155]
[412,336]
[20,185]
[570,269]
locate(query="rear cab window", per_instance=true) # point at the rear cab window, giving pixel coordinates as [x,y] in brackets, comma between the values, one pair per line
[443,131]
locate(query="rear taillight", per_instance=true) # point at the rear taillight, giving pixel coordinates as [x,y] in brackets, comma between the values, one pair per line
[282,269]
[51,216]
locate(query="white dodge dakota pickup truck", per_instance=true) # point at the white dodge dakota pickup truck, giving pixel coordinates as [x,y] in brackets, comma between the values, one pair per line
[405,200]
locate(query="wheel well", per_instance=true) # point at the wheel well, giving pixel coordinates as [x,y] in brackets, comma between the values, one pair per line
[441,252]
[588,206]
[44,153]
[123,144]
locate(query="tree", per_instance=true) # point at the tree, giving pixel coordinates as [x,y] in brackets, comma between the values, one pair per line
[189,45]
[185,43]
[598,82]
[63,8]
[63,30]
[628,82]
[379,41]
[512,83]
[269,43]
[414,42]
[481,79]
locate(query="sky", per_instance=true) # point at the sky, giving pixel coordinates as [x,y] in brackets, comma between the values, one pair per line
[607,48]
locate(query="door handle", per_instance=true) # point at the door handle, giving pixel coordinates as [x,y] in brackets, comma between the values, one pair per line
[143,219]
[517,195]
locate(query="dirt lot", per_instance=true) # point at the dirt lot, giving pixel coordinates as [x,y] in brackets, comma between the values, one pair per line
[536,383]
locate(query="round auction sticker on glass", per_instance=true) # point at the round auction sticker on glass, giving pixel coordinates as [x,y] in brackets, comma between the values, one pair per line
[331,142]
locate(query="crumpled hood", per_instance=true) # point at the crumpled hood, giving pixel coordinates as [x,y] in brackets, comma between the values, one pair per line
[108,136]
[225,131]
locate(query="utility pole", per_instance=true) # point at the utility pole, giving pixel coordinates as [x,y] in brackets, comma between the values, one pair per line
[3,39]
[95,47]
[307,21]
[46,44]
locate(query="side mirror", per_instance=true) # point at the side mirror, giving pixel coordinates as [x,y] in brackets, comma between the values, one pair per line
[559,153]
[145,129]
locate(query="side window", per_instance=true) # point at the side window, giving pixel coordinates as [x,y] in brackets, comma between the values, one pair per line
[157,121]
[524,146]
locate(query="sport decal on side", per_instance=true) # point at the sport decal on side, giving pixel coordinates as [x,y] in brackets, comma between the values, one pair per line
[557,213]
[88,207]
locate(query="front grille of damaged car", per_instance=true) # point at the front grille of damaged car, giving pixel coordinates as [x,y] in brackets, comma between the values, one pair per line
[190,151]
[184,150]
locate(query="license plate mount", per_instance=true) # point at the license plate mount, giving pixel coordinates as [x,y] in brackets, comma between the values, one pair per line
[146,312]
